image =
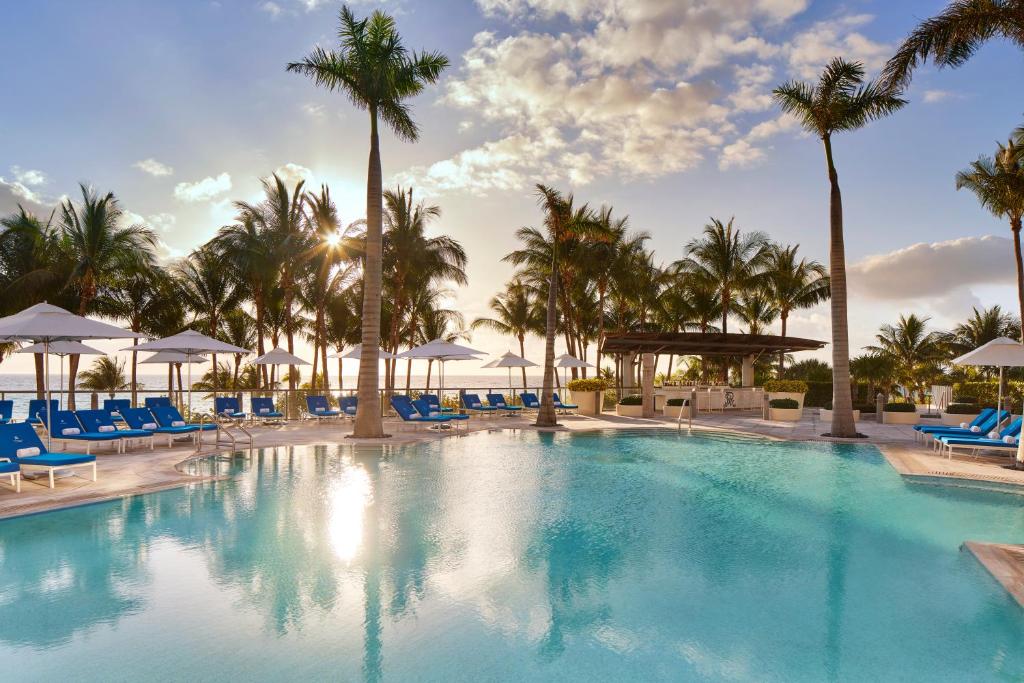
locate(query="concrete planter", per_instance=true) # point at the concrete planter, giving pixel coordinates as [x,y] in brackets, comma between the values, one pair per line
[629,411]
[826,415]
[955,420]
[674,411]
[891,418]
[785,414]
[589,402]
[799,398]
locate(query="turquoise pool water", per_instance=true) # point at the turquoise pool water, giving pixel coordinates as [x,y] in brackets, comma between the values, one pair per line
[504,556]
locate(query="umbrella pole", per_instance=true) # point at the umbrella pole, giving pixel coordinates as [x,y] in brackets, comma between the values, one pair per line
[188,359]
[46,371]
[60,395]
[999,399]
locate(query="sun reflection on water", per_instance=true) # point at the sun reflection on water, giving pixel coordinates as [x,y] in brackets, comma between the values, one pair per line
[349,497]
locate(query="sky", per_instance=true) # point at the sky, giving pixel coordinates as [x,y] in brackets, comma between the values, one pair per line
[658,108]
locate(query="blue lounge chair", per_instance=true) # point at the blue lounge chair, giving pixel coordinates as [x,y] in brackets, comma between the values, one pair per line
[983,427]
[424,408]
[19,443]
[530,400]
[498,401]
[263,408]
[473,404]
[979,421]
[348,405]
[6,411]
[38,405]
[63,426]
[319,408]
[228,407]
[982,441]
[407,411]
[114,406]
[172,424]
[157,402]
[564,407]
[9,468]
[101,421]
[142,418]
[435,403]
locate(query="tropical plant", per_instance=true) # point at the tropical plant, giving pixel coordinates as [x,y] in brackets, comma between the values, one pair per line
[811,370]
[980,328]
[105,375]
[998,184]
[378,74]
[841,101]
[913,350]
[516,314]
[100,247]
[793,283]
[953,36]
[756,310]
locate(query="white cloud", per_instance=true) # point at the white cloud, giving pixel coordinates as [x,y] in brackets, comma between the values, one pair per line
[153,167]
[204,189]
[14,192]
[316,111]
[740,154]
[162,221]
[934,269]
[28,177]
[271,8]
[292,173]
[936,96]
[809,51]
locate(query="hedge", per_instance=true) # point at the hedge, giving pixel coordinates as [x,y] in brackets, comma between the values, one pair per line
[900,408]
[676,402]
[632,400]
[985,394]
[794,386]
[587,384]
[786,403]
[962,409]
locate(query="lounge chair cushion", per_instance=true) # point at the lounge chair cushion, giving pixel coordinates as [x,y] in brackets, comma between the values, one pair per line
[6,467]
[149,425]
[57,459]
[26,452]
[106,428]
[70,431]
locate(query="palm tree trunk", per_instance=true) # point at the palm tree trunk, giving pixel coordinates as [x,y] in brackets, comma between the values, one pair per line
[260,348]
[1015,226]
[546,415]
[341,380]
[843,424]
[600,328]
[784,317]
[323,356]
[170,381]
[40,386]
[430,366]
[316,357]
[522,354]
[368,419]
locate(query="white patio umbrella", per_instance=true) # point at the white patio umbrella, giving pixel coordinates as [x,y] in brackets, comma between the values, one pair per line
[1001,352]
[357,354]
[441,351]
[172,358]
[190,343]
[61,349]
[510,360]
[565,361]
[278,356]
[47,324]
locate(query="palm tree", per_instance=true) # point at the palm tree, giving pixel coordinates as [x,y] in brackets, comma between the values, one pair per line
[793,284]
[913,351]
[105,375]
[953,36]
[731,260]
[101,248]
[342,325]
[841,101]
[412,263]
[563,222]
[440,323]
[208,291]
[377,73]
[998,183]
[238,328]
[757,309]
[876,370]
[516,313]
[980,328]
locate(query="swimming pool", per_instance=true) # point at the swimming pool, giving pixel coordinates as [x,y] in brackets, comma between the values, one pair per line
[630,555]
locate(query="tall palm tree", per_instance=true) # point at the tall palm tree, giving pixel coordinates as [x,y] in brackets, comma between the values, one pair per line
[793,283]
[562,222]
[998,184]
[757,310]
[841,101]
[101,248]
[516,313]
[105,375]
[378,74]
[342,324]
[208,291]
[980,328]
[953,36]
[238,328]
[440,323]
[913,350]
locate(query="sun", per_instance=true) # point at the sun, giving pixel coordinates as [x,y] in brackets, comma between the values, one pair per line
[332,239]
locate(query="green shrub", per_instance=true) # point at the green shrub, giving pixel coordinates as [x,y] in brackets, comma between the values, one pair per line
[864,407]
[611,397]
[676,402]
[986,393]
[962,409]
[818,393]
[795,386]
[631,400]
[587,384]
[900,407]
[788,403]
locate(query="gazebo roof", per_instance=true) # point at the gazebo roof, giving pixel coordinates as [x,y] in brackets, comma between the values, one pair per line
[705,343]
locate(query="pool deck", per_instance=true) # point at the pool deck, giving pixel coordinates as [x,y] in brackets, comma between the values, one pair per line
[145,471]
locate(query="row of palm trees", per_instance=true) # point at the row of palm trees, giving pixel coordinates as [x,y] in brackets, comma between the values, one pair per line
[285,270]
